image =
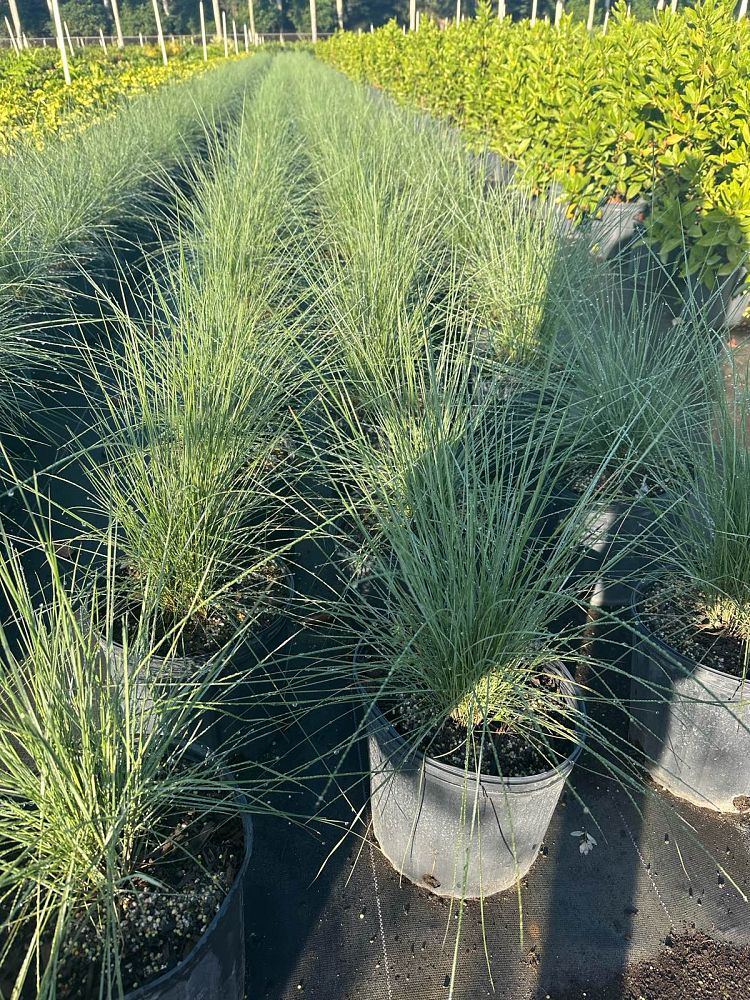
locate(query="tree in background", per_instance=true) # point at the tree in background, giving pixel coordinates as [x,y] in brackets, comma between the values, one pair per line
[83,17]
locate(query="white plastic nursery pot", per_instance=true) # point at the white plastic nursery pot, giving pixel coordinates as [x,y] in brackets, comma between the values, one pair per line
[718,304]
[693,723]
[422,814]
[617,226]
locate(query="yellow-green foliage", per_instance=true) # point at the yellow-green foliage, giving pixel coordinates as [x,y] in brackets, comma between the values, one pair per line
[657,108]
[35,103]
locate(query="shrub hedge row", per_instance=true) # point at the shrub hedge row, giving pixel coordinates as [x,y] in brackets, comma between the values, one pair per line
[657,109]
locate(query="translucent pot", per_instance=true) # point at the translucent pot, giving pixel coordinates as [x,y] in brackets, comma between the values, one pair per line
[693,723]
[453,833]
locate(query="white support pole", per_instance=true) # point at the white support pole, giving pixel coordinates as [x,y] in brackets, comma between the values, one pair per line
[313,21]
[70,40]
[533,12]
[559,9]
[60,40]
[118,26]
[592,13]
[419,18]
[203,30]
[742,12]
[251,13]
[412,15]
[13,42]
[101,40]
[140,38]
[217,18]
[247,38]
[224,33]
[234,37]
[674,6]
[160,33]
[340,14]
[16,19]
[458,11]
[501,9]
[660,4]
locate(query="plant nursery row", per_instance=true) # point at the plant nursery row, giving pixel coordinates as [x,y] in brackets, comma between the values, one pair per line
[353,443]
[35,103]
[655,109]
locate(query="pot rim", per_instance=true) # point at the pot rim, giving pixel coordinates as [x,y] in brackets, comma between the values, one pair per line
[692,667]
[237,650]
[637,505]
[448,771]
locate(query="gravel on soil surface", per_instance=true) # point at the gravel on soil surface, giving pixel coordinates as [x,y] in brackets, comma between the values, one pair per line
[160,925]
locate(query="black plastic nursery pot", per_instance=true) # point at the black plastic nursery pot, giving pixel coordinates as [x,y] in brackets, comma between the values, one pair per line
[454,833]
[692,721]
[215,967]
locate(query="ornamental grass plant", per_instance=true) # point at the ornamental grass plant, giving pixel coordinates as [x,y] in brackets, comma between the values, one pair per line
[196,396]
[105,798]
[703,590]
[466,603]
[523,267]
[64,205]
[635,374]
[384,212]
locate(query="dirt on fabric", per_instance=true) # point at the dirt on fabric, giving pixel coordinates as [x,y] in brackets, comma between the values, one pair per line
[691,966]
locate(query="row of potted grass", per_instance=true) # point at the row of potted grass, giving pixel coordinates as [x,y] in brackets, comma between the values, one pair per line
[69,209]
[564,460]
[190,396]
[491,442]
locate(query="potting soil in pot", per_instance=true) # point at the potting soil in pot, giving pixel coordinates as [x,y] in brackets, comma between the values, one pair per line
[675,613]
[498,751]
[160,925]
[260,596]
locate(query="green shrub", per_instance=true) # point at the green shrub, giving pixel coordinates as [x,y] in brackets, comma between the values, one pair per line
[658,109]
[36,105]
